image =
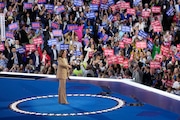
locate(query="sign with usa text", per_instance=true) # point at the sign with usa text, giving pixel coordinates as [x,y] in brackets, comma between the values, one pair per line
[52,42]
[141,44]
[155,64]
[146,14]
[94,7]
[30,47]
[13,26]
[57,33]
[35,25]
[9,35]
[60,9]
[27,5]
[71,27]
[155,9]
[108,52]
[131,11]
[55,25]
[38,40]
[64,46]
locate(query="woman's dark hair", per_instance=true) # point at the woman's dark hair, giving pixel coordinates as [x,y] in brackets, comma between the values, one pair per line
[61,53]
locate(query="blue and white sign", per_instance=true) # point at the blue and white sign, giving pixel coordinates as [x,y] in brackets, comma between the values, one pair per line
[52,42]
[21,50]
[78,3]
[142,34]
[77,53]
[126,29]
[150,45]
[170,12]
[111,17]
[94,7]
[90,15]
[104,6]
[64,46]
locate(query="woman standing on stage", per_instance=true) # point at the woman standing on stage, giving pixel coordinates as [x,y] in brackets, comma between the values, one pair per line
[62,74]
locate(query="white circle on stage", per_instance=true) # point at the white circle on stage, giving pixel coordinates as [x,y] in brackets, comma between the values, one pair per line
[14,106]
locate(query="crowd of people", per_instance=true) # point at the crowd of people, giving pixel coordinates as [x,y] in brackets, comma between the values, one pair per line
[137,39]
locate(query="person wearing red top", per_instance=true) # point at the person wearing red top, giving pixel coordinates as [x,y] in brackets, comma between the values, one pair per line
[44,57]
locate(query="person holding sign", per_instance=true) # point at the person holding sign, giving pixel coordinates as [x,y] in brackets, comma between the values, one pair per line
[62,74]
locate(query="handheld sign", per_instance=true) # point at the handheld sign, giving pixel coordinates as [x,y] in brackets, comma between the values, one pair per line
[60,9]
[78,3]
[126,29]
[13,26]
[35,25]
[38,40]
[141,45]
[2,5]
[142,34]
[77,53]
[155,9]
[30,47]
[54,25]
[94,7]
[57,33]
[41,1]
[155,64]
[27,5]
[64,46]
[9,35]
[108,52]
[71,27]
[52,42]
[21,50]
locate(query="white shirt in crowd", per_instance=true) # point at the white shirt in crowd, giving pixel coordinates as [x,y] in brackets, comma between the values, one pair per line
[176,85]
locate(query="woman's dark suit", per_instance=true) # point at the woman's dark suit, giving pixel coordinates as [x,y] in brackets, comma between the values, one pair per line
[62,75]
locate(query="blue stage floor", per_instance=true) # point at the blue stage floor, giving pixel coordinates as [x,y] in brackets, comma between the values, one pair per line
[37,100]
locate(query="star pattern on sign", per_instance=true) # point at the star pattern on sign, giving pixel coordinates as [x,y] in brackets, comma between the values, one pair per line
[14,106]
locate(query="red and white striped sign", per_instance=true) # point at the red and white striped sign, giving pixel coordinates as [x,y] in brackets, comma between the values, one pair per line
[155,23]
[165,50]
[1,47]
[141,45]
[38,40]
[157,28]
[131,11]
[155,64]
[109,52]
[30,47]
[158,57]
[127,40]
[156,9]
[146,14]
[120,59]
